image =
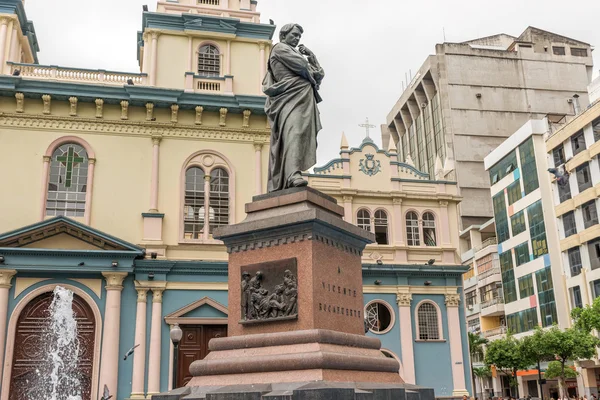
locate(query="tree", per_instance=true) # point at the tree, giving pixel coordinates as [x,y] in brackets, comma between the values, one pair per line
[556,370]
[481,372]
[534,348]
[506,355]
[587,318]
[476,344]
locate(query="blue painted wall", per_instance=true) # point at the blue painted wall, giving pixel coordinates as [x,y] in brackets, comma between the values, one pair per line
[389,340]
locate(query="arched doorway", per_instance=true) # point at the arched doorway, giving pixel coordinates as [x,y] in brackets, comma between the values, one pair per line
[29,347]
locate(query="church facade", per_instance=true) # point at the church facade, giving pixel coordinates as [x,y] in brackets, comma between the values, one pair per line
[117,181]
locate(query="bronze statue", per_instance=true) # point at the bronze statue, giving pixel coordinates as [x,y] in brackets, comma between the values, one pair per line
[291,85]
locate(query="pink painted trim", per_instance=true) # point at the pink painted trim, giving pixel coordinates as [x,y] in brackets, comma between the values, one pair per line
[154,178]
[90,190]
[12,327]
[207,170]
[44,189]
[70,139]
[439,318]
[155,346]
[406,343]
[456,358]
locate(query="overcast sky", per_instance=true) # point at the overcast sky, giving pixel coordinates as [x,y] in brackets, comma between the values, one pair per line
[365,46]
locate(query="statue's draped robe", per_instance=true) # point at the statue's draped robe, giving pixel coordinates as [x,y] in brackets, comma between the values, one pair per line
[291,85]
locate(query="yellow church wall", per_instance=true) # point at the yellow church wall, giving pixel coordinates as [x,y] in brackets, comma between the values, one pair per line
[379,181]
[172,61]
[245,68]
[62,241]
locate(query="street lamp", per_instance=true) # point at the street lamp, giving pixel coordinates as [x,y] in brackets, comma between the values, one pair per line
[176,335]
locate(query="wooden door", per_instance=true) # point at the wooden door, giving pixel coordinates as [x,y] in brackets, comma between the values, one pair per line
[194,346]
[31,343]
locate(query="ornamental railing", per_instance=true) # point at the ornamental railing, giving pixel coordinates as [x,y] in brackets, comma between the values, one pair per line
[492,302]
[54,72]
[489,272]
[501,330]
[487,242]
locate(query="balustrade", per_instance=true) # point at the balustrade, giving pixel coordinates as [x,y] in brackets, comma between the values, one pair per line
[77,74]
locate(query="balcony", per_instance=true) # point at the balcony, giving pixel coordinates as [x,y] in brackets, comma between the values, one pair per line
[501,330]
[80,75]
[472,309]
[209,84]
[493,307]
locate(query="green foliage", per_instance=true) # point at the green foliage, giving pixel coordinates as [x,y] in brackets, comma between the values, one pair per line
[570,344]
[506,355]
[476,343]
[482,372]
[555,371]
[587,318]
[535,348]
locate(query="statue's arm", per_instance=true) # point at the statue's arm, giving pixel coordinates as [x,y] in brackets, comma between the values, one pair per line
[318,72]
[292,60]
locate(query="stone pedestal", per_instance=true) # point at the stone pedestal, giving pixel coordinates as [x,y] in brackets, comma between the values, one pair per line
[295,310]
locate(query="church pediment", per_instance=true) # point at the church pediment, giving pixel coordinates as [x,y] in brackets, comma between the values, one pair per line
[204,310]
[65,234]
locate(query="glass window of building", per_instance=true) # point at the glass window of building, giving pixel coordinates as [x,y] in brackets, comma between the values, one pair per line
[522,321]
[485,264]
[596,129]
[500,217]
[522,254]
[363,220]
[578,52]
[508,277]
[405,149]
[574,261]
[590,215]
[489,292]
[537,229]
[474,326]
[546,299]
[558,50]
[429,229]
[576,300]
[471,298]
[584,178]
[564,192]
[594,252]
[381,227]
[559,155]
[209,61]
[378,315]
[514,191]
[438,128]
[569,223]
[517,223]
[67,181]
[503,167]
[427,318]
[412,229]
[194,214]
[578,142]
[526,286]
[543,279]
[528,167]
[595,288]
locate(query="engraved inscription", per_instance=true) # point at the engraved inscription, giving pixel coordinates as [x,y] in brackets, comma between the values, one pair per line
[341,292]
[269,292]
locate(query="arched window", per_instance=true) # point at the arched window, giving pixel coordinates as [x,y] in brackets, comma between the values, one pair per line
[209,61]
[429,236]
[379,316]
[363,220]
[67,181]
[194,213]
[219,198]
[412,229]
[381,227]
[427,315]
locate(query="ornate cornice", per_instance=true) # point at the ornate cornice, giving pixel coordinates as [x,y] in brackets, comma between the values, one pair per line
[131,128]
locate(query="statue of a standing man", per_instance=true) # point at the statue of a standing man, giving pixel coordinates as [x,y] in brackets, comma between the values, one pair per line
[291,85]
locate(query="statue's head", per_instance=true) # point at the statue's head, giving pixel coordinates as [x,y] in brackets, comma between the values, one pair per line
[291,34]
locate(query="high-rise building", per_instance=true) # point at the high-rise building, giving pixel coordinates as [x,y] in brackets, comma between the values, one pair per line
[469,97]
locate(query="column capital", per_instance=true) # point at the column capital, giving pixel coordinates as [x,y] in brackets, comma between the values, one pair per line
[142,294]
[347,199]
[114,280]
[443,203]
[404,299]
[47,158]
[156,140]
[157,295]
[397,201]
[4,21]
[155,35]
[91,161]
[258,146]
[207,178]
[6,276]
[262,45]
[452,300]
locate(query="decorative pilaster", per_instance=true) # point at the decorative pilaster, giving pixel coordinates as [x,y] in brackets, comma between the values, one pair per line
[206,231]
[155,342]
[90,190]
[263,63]
[406,336]
[3,31]
[444,222]
[139,355]
[124,110]
[20,97]
[153,58]
[456,353]
[258,167]
[73,101]
[6,276]
[398,218]
[348,214]
[99,108]
[47,100]
[147,50]
[246,121]
[149,111]
[109,359]
[154,179]
[223,120]
[199,111]
[174,110]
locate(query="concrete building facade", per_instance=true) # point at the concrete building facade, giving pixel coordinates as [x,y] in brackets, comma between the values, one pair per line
[469,97]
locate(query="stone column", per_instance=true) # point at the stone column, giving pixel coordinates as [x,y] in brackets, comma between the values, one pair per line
[5,285]
[398,222]
[146,57]
[263,64]
[109,359]
[191,54]
[406,337]
[456,353]
[154,178]
[45,177]
[153,58]
[14,43]
[139,356]
[155,341]
[90,190]
[3,31]
[258,167]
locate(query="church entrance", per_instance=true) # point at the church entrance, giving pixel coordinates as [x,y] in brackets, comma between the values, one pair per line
[194,346]
[29,348]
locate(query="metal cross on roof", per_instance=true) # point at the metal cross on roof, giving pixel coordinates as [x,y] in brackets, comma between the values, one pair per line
[367,126]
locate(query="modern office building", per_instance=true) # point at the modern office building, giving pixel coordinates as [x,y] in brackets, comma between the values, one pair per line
[469,97]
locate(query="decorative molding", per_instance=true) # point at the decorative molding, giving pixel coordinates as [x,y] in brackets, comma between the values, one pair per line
[99,108]
[404,299]
[220,286]
[246,122]
[47,100]
[199,110]
[443,203]
[6,276]
[157,294]
[397,201]
[95,285]
[124,110]
[20,97]
[142,295]
[174,110]
[223,119]
[114,280]
[347,199]
[452,300]
[258,146]
[149,111]
[73,110]
[47,158]
[178,315]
